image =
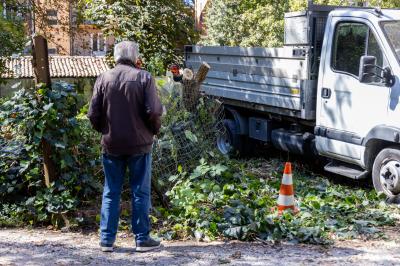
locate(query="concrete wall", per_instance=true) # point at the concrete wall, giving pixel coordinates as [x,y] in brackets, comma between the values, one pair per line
[9,86]
[84,86]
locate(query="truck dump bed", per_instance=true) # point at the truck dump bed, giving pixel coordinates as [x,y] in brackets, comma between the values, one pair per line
[274,80]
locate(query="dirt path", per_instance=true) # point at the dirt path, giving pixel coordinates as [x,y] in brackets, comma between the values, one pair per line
[44,247]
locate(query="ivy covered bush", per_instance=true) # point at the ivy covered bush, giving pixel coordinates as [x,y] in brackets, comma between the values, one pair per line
[27,119]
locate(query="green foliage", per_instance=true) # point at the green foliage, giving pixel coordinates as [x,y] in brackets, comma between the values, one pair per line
[263,25]
[12,34]
[251,23]
[11,215]
[245,23]
[160,27]
[233,201]
[156,66]
[26,120]
[221,23]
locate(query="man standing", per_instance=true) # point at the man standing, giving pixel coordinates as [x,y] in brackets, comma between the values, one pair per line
[126,110]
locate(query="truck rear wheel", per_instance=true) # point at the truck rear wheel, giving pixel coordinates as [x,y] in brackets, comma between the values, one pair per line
[386,172]
[229,141]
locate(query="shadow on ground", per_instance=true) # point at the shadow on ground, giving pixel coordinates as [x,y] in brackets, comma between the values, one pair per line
[78,249]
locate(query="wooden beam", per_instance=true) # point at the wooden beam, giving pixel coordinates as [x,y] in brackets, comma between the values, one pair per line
[41,60]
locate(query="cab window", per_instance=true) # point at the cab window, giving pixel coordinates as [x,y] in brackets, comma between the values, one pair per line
[353,40]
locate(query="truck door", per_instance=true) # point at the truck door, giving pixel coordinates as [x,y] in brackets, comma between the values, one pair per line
[349,108]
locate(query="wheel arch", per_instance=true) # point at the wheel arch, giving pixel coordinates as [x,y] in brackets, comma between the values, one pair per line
[373,148]
[241,121]
[379,138]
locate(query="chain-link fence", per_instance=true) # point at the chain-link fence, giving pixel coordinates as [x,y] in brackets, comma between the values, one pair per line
[190,128]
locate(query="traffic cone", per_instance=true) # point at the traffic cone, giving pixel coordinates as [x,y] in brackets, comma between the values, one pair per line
[286,193]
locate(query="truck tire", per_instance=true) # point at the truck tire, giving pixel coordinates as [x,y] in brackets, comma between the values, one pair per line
[386,172]
[229,142]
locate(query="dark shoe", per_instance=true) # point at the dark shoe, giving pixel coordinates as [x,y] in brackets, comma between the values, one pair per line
[147,245]
[107,247]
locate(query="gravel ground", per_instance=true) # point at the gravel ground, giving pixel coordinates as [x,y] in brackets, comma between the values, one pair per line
[46,247]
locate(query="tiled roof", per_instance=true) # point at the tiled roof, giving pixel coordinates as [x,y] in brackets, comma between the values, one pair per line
[60,67]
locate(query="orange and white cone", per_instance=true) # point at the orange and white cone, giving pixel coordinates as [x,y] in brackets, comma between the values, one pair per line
[286,193]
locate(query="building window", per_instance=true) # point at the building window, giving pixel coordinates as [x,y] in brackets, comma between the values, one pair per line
[94,43]
[101,43]
[52,17]
[52,51]
[99,46]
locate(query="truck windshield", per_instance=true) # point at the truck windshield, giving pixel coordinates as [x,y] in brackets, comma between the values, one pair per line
[392,31]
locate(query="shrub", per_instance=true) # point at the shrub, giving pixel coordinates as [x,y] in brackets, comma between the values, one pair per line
[29,118]
[156,66]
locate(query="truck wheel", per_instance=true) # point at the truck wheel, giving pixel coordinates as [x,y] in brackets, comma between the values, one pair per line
[386,172]
[229,141]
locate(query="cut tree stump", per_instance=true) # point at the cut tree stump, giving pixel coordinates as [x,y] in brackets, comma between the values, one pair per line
[191,86]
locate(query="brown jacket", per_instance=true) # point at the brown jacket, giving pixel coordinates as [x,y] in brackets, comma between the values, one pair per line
[126,109]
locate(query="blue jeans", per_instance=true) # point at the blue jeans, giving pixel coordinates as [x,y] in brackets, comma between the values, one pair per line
[140,183]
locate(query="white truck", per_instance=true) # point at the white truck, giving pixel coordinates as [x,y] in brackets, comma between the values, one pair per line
[333,90]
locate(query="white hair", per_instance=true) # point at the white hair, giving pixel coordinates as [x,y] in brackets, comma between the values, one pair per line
[126,50]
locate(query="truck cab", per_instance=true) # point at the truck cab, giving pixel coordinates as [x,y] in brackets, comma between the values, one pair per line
[333,91]
[358,113]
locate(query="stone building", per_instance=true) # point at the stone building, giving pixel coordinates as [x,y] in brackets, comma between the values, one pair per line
[67,32]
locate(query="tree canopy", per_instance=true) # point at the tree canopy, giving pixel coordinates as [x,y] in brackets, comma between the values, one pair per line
[245,23]
[12,35]
[160,27]
[257,22]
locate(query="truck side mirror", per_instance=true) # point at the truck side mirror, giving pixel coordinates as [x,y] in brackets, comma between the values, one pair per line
[367,69]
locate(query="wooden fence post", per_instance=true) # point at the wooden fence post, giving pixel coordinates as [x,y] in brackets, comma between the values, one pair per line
[41,70]
[40,60]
